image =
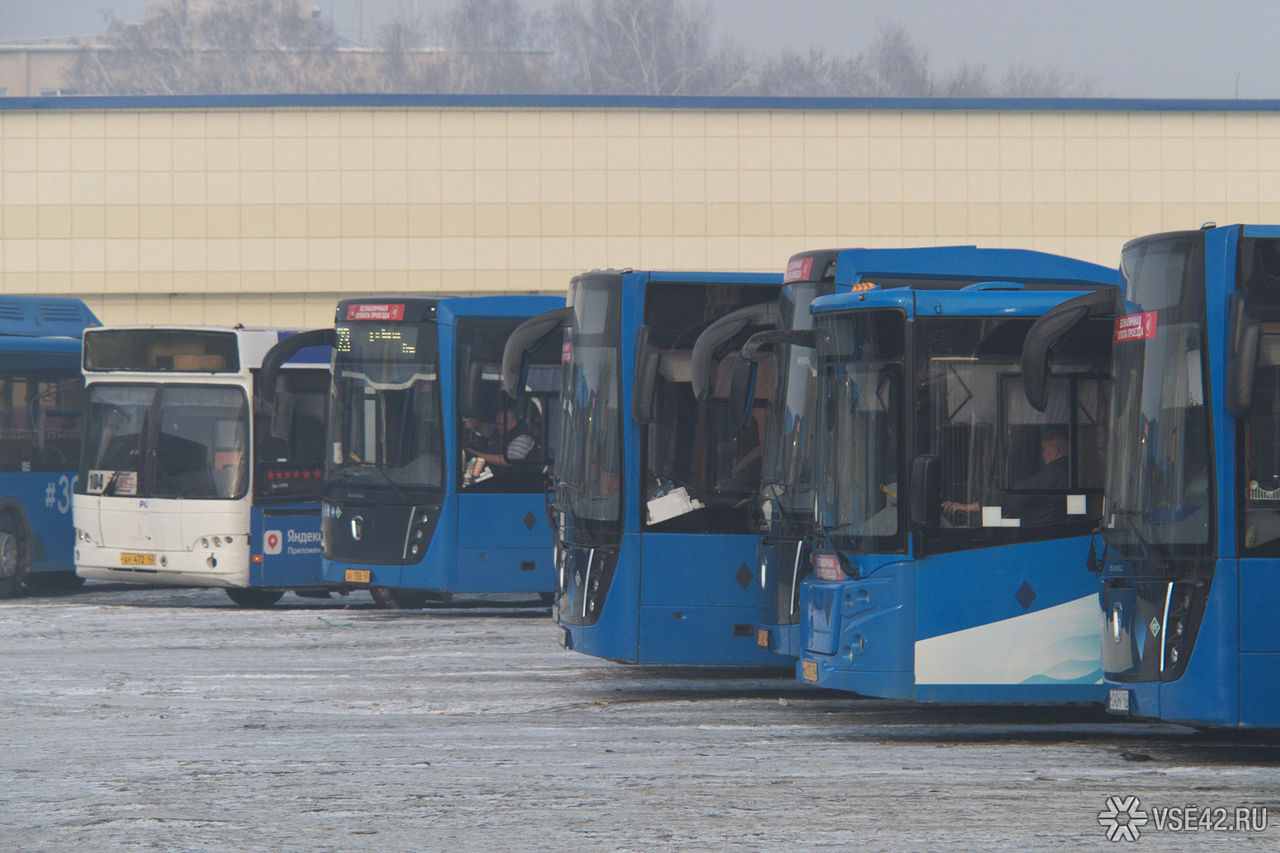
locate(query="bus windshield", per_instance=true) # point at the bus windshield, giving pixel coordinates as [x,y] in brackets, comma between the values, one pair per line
[385,424]
[1158,486]
[588,461]
[859,429]
[165,441]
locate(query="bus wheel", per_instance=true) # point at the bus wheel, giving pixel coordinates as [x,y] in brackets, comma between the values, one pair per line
[13,562]
[254,597]
[398,599]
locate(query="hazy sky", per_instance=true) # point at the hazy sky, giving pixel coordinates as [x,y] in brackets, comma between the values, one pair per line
[1125,48]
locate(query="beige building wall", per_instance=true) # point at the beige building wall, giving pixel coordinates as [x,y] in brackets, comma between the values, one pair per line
[270,215]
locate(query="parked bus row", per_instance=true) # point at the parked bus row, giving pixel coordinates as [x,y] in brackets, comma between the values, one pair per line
[946,474]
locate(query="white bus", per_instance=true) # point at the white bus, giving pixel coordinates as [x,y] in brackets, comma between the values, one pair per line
[189,473]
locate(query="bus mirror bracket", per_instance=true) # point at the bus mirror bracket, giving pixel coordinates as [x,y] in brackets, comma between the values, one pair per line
[807,338]
[1244,338]
[523,340]
[1047,333]
[742,390]
[926,490]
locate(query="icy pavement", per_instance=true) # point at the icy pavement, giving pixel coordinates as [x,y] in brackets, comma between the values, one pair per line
[172,720]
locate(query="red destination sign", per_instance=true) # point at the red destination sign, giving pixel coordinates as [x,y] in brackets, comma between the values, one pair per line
[375,311]
[798,269]
[1135,327]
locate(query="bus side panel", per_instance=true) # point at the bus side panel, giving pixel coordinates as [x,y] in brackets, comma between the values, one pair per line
[614,635]
[504,544]
[1209,690]
[690,570]
[699,601]
[1259,604]
[46,499]
[288,540]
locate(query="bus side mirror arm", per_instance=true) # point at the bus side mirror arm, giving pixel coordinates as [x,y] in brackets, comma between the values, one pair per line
[1047,333]
[795,337]
[523,340]
[719,333]
[1244,339]
[285,350]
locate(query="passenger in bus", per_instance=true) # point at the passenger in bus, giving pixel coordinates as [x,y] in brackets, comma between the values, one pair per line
[1036,500]
[514,443]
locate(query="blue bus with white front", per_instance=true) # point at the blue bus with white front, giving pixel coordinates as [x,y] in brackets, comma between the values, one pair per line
[41,410]
[435,482]
[952,516]
[785,500]
[655,540]
[192,473]
[1190,564]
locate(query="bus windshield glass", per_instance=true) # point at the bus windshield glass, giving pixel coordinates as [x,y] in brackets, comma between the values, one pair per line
[1158,487]
[589,461]
[859,429]
[165,441]
[385,424]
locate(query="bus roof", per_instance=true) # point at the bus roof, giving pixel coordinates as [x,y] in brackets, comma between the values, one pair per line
[969,262]
[983,299]
[45,316]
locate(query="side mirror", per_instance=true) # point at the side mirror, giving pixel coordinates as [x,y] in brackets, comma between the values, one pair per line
[645,379]
[742,386]
[1244,339]
[926,490]
[1048,331]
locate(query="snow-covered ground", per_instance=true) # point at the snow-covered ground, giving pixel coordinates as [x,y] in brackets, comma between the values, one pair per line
[140,719]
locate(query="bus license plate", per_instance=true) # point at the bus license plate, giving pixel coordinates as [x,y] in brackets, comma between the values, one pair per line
[357,576]
[1118,701]
[762,638]
[809,670]
[127,559]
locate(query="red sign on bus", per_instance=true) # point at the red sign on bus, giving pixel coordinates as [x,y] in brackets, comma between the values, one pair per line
[1135,327]
[387,311]
[798,269]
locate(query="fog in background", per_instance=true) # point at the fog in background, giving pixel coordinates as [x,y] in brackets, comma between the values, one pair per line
[1121,48]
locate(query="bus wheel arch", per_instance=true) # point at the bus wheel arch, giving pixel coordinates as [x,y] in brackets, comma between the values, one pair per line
[15,547]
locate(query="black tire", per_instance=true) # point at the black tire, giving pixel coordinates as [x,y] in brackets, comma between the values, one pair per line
[398,599]
[14,562]
[254,597]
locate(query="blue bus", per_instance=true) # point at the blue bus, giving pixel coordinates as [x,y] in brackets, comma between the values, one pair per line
[1190,562]
[950,512]
[785,500]
[41,409]
[192,472]
[435,482]
[655,542]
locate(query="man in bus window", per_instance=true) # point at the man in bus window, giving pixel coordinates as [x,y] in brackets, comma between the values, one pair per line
[1037,499]
[516,443]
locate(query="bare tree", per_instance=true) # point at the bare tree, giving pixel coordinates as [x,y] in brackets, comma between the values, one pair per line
[228,46]
[642,47]
[815,74]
